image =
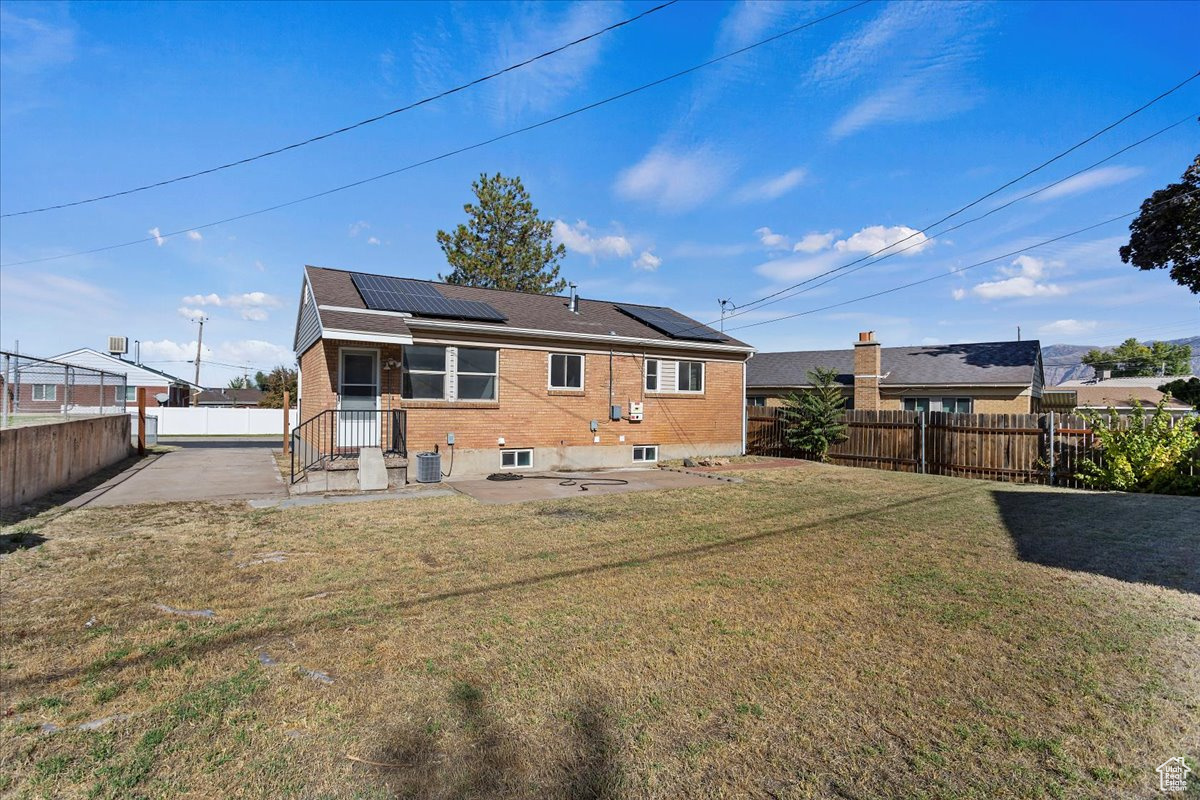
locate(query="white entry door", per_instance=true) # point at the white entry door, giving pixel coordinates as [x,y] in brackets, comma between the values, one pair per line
[358,399]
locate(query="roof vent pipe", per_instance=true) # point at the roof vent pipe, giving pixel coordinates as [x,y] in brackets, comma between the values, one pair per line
[574,305]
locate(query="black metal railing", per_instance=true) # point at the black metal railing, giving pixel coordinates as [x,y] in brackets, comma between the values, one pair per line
[341,433]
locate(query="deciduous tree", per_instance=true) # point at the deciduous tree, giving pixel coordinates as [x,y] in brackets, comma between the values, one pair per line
[1166,234]
[1131,358]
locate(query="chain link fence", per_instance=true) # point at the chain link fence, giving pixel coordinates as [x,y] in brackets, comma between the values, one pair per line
[36,390]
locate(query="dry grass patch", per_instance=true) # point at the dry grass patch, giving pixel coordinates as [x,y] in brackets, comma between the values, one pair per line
[813,632]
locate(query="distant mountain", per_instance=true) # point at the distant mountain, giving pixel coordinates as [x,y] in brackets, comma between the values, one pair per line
[1062,361]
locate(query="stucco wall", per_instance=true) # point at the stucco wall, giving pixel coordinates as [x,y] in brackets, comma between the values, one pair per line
[36,459]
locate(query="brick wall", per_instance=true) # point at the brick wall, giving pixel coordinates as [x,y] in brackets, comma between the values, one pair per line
[528,414]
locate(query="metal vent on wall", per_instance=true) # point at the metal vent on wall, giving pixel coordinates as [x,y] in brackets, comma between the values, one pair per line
[385,293]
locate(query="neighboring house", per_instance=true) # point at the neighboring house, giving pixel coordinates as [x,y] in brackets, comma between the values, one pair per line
[229,398]
[517,380]
[979,377]
[1102,393]
[44,390]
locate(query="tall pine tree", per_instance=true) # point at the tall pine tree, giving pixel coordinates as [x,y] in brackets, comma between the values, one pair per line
[503,244]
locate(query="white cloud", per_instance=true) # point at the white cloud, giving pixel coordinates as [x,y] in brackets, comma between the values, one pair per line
[252,305]
[675,181]
[1088,181]
[373,240]
[909,241]
[959,294]
[772,240]
[170,355]
[813,242]
[195,236]
[358,227]
[578,239]
[203,299]
[823,257]
[32,45]
[647,261]
[1068,327]
[190,313]
[166,353]
[1023,280]
[772,188]
[917,57]
[158,238]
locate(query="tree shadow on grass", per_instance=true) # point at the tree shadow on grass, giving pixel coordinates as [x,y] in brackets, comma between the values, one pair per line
[1131,537]
[488,760]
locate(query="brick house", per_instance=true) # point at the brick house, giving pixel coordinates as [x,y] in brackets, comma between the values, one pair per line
[975,378]
[43,388]
[516,380]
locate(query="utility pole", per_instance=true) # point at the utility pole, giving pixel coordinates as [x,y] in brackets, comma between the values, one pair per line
[723,304]
[199,344]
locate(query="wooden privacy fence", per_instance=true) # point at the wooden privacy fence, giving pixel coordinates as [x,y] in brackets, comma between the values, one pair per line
[1025,448]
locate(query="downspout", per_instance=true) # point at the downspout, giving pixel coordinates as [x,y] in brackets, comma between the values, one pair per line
[610,384]
[744,403]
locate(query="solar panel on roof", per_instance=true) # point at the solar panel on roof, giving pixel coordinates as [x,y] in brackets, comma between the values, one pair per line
[385,293]
[672,323]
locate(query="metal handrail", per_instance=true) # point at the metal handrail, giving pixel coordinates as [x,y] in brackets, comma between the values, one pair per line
[342,433]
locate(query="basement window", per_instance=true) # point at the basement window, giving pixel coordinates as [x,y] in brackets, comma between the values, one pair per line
[516,459]
[644,453]
[45,391]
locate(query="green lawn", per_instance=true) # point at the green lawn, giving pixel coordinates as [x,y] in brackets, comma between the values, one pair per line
[813,632]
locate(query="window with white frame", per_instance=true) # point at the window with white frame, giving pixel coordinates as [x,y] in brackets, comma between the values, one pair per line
[45,391]
[424,372]
[652,370]
[645,452]
[566,371]
[516,459]
[957,405]
[130,394]
[475,373]
[689,376]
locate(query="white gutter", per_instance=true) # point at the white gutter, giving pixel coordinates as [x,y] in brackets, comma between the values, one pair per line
[363,336]
[440,325]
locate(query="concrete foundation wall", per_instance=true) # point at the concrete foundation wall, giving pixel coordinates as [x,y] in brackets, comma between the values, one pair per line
[37,459]
[475,463]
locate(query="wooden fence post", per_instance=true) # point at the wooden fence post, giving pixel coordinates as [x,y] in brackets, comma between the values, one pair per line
[141,400]
[287,434]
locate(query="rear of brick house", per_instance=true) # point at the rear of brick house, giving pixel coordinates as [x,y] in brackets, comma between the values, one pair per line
[521,381]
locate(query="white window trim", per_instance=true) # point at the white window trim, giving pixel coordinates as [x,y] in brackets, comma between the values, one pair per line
[550,373]
[495,384]
[703,377]
[516,458]
[444,372]
[657,374]
[643,460]
[53,394]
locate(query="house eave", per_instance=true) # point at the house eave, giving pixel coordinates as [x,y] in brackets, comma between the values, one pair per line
[442,325]
[364,336]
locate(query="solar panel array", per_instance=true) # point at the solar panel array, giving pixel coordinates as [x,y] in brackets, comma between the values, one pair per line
[672,323]
[384,293]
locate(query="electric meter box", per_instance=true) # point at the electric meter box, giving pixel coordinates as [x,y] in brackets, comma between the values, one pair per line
[635,412]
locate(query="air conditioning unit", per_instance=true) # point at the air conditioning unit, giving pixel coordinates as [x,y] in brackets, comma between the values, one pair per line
[118,345]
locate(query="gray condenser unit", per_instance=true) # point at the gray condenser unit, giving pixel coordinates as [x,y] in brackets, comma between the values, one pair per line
[429,467]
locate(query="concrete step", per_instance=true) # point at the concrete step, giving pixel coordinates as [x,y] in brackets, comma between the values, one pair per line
[372,472]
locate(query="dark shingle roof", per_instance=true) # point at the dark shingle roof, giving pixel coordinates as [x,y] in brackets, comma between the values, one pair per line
[334,287]
[978,363]
[226,395]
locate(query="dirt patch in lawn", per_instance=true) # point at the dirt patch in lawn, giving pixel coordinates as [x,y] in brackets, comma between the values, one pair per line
[812,632]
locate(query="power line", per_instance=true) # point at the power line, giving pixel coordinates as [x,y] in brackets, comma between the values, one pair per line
[459,151]
[351,127]
[956,271]
[779,296]
[746,307]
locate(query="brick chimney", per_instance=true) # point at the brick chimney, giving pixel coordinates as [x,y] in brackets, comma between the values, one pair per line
[868,372]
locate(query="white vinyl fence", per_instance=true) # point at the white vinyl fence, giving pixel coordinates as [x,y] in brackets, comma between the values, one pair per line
[218,421]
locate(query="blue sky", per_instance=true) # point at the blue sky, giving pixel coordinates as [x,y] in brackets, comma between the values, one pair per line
[732,182]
